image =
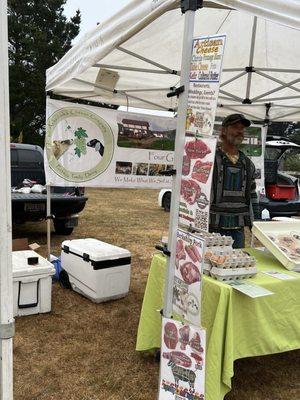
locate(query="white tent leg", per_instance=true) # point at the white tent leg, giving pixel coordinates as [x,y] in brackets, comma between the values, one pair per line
[179,146]
[6,288]
[48,222]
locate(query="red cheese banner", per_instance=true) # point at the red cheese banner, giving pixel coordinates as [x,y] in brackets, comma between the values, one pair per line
[182,366]
[188,276]
[197,171]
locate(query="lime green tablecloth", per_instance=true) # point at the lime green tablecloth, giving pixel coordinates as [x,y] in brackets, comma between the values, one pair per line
[237,326]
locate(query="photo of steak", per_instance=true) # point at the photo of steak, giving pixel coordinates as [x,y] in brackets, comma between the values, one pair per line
[193,252]
[190,273]
[186,165]
[190,190]
[180,252]
[197,149]
[171,335]
[201,171]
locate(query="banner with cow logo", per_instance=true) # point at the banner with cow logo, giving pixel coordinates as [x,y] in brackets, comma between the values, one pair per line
[182,364]
[188,276]
[100,147]
[197,172]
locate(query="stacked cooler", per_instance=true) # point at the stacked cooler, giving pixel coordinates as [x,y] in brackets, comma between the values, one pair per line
[32,283]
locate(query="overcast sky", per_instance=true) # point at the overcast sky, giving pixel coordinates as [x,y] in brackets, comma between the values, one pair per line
[93,11]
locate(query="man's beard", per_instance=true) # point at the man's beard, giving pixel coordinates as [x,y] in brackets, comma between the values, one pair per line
[235,140]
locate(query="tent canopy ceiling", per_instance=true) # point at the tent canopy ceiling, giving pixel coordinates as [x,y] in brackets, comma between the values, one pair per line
[134,57]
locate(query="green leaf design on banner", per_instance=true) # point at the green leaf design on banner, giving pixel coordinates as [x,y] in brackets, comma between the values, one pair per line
[80,142]
[77,152]
[80,133]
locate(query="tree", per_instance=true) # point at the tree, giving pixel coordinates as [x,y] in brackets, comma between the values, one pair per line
[39,35]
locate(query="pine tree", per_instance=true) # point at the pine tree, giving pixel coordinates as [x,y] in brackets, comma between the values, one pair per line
[39,35]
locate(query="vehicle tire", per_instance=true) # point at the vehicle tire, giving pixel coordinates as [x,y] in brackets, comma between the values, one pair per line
[166,201]
[64,279]
[61,229]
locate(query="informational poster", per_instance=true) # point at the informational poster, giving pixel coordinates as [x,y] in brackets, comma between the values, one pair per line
[100,147]
[197,171]
[188,276]
[182,365]
[206,68]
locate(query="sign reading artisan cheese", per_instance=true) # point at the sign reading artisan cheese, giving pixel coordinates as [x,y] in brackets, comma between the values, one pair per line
[206,68]
[93,146]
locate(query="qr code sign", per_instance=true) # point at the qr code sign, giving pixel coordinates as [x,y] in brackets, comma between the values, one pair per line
[201,220]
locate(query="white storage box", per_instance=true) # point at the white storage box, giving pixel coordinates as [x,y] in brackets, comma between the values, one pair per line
[97,270]
[32,284]
[282,239]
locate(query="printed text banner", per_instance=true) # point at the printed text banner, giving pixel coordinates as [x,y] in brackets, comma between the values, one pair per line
[100,147]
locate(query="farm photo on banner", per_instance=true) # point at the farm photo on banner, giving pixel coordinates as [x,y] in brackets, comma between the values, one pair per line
[182,362]
[94,146]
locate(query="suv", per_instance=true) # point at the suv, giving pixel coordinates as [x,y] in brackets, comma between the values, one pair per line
[282,171]
[27,162]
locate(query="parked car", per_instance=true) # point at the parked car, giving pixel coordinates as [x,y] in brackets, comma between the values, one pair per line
[282,173]
[27,162]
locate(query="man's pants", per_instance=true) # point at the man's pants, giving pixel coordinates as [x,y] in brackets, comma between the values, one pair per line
[238,235]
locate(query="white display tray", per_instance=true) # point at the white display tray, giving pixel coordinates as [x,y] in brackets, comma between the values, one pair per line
[263,231]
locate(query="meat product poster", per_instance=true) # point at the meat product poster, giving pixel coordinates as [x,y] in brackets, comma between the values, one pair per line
[99,147]
[205,72]
[188,276]
[182,365]
[197,172]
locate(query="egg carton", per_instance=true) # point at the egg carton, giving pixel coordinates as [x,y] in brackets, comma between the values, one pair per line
[223,275]
[218,251]
[236,259]
[215,239]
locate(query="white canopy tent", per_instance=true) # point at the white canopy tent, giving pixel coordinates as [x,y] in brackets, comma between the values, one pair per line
[143,53]
[143,45]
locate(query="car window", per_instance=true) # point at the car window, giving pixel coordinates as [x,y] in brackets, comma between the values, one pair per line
[29,158]
[290,162]
[272,153]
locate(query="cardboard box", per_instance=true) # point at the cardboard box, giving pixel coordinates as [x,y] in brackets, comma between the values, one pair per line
[22,244]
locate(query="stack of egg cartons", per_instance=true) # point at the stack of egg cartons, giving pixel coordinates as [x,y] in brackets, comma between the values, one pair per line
[215,244]
[224,263]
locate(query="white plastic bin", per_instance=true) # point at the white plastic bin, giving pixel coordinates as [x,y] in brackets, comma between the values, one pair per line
[32,284]
[97,270]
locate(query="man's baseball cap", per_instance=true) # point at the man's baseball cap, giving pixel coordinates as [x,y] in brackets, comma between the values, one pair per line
[235,118]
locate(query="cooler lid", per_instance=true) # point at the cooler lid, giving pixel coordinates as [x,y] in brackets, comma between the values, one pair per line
[21,267]
[95,249]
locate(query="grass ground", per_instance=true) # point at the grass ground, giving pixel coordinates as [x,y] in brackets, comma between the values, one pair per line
[86,351]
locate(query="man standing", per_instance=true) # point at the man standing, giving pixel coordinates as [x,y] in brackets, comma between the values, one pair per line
[234,202]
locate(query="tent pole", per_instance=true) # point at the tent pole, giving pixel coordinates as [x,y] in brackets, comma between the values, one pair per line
[239,99]
[122,67]
[189,20]
[163,67]
[272,78]
[289,84]
[233,79]
[105,88]
[48,221]
[6,284]
[250,67]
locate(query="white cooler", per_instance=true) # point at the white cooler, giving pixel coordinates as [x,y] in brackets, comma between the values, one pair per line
[97,270]
[32,284]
